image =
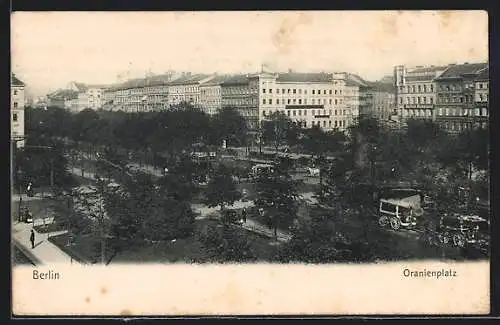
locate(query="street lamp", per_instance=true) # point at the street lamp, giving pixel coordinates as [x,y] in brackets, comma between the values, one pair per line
[13,147]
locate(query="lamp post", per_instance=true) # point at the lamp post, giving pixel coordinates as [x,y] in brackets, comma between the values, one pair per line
[13,147]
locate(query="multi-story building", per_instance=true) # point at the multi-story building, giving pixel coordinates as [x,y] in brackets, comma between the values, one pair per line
[17,99]
[137,95]
[211,94]
[187,89]
[383,101]
[309,99]
[241,92]
[358,95]
[456,104]
[416,91]
[88,96]
[481,96]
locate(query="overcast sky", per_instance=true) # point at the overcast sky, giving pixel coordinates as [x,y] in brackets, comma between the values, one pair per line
[50,49]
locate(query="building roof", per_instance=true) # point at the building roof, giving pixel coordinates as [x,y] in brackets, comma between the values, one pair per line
[63,94]
[355,80]
[484,74]
[240,79]
[428,69]
[189,79]
[15,81]
[410,78]
[459,70]
[304,77]
[217,80]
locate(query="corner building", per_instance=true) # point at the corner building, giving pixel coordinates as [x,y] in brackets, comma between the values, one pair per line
[309,99]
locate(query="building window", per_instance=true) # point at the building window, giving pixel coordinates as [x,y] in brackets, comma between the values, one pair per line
[480,86]
[264,113]
[431,100]
[305,112]
[300,91]
[313,101]
[413,89]
[288,112]
[300,112]
[335,112]
[330,101]
[263,90]
[319,92]
[335,91]
[270,101]
[277,101]
[419,88]
[15,104]
[305,124]
[288,90]
[15,92]
[313,91]
[324,92]
[264,101]
[336,125]
[288,101]
[432,88]
[294,112]
[425,88]
[324,124]
[294,100]
[330,124]
[14,117]
[336,101]
[343,112]
[330,92]
[300,101]
[295,91]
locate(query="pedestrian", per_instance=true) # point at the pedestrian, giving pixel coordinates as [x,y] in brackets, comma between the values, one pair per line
[32,239]
[244,215]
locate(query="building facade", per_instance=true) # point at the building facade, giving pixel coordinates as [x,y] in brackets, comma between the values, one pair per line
[383,98]
[416,91]
[17,103]
[457,108]
[187,89]
[309,99]
[211,94]
[241,92]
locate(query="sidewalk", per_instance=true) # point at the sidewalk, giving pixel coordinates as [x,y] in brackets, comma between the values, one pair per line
[44,252]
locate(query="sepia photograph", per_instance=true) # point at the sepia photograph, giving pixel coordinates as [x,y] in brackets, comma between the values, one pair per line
[250,162]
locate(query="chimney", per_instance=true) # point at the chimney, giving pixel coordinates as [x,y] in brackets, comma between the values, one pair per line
[290,70]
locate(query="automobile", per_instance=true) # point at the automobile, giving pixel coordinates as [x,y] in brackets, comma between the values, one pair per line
[399,213]
[462,230]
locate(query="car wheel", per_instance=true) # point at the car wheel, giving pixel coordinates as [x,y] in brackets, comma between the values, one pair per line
[382,221]
[459,240]
[395,223]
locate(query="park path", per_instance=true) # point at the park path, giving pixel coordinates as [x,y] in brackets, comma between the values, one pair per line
[204,211]
[45,252]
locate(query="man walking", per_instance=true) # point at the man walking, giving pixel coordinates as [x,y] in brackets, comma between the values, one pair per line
[32,239]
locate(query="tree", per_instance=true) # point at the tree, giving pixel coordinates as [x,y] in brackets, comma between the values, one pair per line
[221,189]
[229,125]
[278,129]
[277,196]
[224,244]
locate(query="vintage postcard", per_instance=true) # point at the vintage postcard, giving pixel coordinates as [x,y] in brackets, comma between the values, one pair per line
[250,163]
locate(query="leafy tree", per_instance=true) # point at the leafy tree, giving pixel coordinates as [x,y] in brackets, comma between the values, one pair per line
[221,190]
[229,125]
[224,244]
[277,195]
[278,129]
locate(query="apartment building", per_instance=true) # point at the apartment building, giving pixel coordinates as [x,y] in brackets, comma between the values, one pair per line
[17,101]
[383,96]
[241,92]
[137,95]
[309,99]
[481,96]
[187,89]
[88,96]
[416,91]
[457,107]
[358,95]
[211,94]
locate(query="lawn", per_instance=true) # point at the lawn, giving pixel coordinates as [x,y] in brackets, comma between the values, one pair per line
[186,250]
[41,209]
